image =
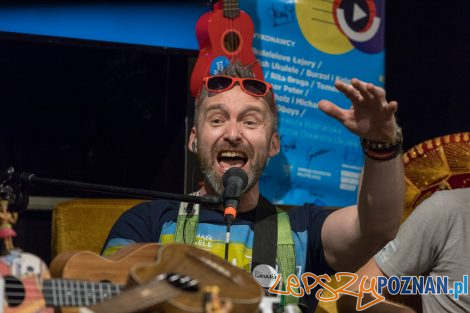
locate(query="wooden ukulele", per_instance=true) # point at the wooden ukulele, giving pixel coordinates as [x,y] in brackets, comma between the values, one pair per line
[38,294]
[27,286]
[223,35]
[151,295]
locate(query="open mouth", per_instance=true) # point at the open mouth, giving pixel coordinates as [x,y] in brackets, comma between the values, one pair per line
[227,159]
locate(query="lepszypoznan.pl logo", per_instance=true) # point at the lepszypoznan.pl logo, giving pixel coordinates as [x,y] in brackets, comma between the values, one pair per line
[405,285]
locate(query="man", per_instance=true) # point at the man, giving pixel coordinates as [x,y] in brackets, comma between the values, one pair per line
[433,241]
[236,126]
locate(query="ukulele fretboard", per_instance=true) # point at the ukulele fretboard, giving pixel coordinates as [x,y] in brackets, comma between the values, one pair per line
[231,9]
[64,292]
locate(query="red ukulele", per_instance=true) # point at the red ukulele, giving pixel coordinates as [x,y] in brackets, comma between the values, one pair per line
[223,35]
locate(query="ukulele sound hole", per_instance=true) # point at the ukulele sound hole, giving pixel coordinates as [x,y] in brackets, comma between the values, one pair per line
[14,290]
[231,41]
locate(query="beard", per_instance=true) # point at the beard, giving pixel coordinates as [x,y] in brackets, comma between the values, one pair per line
[211,176]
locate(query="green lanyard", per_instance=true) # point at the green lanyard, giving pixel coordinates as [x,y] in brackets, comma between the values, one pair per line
[285,254]
[186,223]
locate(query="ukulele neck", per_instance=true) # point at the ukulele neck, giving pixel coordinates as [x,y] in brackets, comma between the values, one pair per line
[65,292]
[231,9]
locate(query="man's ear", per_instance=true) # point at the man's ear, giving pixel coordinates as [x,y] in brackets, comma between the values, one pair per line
[275,145]
[192,142]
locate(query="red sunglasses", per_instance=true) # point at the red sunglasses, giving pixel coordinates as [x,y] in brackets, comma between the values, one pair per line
[252,86]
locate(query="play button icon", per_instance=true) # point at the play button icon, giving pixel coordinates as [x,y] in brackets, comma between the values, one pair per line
[358,13]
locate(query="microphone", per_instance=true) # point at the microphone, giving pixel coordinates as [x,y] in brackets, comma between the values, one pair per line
[235,181]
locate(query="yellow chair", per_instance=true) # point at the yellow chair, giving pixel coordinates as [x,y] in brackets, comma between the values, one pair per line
[83,224]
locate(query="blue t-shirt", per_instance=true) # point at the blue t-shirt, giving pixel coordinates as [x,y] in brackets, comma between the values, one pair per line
[156,222]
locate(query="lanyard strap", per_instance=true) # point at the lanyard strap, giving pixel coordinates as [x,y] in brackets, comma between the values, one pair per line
[186,223]
[273,242]
[286,254]
[265,234]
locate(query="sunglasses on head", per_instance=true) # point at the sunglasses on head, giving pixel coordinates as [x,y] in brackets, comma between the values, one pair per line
[252,86]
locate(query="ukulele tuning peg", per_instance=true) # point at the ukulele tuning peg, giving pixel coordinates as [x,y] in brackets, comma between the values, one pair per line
[185,282]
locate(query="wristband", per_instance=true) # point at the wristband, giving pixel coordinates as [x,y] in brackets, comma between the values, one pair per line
[383,151]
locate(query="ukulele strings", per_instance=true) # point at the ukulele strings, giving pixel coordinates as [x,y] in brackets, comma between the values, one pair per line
[35,294]
[236,38]
[236,27]
[89,298]
[228,24]
[232,12]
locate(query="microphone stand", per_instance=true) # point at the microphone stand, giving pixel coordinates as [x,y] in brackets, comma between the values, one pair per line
[9,177]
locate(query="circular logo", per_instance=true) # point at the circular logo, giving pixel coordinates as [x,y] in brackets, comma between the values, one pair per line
[338,26]
[265,275]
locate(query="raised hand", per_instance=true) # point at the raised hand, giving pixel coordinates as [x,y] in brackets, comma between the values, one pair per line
[370,115]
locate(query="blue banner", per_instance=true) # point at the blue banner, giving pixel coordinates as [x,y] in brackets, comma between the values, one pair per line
[304,46]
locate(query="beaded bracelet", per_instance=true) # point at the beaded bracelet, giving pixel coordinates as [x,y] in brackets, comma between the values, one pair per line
[383,151]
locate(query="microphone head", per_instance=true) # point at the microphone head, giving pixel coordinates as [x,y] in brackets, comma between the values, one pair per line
[235,181]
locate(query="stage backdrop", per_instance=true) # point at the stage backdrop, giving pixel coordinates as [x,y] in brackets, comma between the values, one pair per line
[303,47]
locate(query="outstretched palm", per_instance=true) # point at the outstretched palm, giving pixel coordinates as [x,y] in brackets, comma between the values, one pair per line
[370,115]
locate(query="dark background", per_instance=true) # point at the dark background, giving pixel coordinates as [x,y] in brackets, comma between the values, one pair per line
[428,66]
[115,114]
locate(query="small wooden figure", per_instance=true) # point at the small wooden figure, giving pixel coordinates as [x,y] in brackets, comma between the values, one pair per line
[7,220]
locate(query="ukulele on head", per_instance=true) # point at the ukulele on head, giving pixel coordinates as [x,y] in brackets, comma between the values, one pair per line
[224,35]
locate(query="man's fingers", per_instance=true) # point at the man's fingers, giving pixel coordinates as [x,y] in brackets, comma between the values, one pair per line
[331,109]
[392,106]
[349,91]
[376,91]
[362,88]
